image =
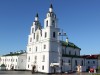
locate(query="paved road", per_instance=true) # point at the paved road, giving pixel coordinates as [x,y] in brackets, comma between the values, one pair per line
[29,73]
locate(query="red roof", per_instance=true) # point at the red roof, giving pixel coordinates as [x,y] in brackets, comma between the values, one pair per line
[90,56]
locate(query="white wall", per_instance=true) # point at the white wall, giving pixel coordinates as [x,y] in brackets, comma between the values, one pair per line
[9,61]
[98,62]
[73,50]
[72,65]
[22,62]
[89,63]
[14,61]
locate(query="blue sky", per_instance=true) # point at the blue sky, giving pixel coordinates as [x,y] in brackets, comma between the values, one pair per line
[80,19]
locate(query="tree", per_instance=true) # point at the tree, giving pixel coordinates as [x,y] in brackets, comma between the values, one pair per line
[3,65]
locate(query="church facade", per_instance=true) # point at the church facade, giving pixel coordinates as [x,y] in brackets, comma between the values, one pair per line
[42,48]
[46,52]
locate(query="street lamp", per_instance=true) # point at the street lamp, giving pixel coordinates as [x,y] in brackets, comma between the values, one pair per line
[60,51]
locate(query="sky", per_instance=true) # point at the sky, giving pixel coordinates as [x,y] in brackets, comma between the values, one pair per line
[80,19]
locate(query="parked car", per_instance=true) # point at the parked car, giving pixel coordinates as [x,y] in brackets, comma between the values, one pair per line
[91,70]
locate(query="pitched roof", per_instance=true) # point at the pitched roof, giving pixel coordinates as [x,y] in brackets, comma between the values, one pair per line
[90,56]
[69,44]
[13,54]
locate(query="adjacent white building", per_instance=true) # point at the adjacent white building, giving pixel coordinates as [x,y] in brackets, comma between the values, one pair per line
[91,61]
[14,62]
[99,60]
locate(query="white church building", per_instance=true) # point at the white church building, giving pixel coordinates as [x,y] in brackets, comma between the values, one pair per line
[46,51]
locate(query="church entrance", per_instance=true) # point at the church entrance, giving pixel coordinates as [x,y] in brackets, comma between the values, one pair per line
[12,67]
[33,69]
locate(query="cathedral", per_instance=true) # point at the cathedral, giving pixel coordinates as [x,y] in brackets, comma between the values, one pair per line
[46,52]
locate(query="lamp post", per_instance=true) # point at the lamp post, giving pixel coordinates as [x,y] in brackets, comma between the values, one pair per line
[60,51]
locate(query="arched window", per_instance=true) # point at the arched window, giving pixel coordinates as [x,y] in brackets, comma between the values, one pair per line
[41,32]
[29,59]
[82,63]
[43,58]
[88,62]
[54,34]
[28,65]
[43,67]
[75,52]
[69,52]
[29,49]
[93,62]
[69,61]
[35,59]
[44,46]
[37,37]
[32,30]
[34,35]
[36,49]
[30,39]
[53,23]
[45,34]
[48,15]
[47,23]
[76,62]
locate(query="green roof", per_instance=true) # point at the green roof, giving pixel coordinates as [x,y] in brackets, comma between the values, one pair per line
[13,54]
[69,44]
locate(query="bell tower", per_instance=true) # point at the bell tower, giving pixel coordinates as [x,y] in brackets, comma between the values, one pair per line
[52,30]
[51,19]
[36,24]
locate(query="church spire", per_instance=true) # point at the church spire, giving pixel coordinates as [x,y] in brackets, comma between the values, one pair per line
[36,17]
[51,19]
[36,22]
[51,8]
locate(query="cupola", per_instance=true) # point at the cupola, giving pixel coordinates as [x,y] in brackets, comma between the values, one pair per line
[51,13]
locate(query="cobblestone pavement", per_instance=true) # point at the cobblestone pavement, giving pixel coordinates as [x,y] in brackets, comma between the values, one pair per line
[29,73]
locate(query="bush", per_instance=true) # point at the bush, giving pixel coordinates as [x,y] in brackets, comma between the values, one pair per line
[3,65]
[98,68]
